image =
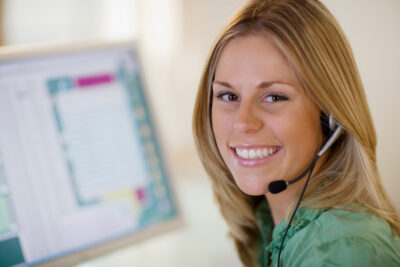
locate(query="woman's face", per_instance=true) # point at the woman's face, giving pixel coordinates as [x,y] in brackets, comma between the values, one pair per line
[265,126]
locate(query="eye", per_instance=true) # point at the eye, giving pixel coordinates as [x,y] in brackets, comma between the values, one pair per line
[275,98]
[227,97]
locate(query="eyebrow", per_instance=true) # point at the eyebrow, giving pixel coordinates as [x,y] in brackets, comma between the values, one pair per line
[262,85]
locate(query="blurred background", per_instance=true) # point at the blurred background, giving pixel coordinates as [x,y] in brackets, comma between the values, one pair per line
[174,38]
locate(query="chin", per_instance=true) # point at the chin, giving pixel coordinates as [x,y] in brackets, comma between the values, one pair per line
[252,187]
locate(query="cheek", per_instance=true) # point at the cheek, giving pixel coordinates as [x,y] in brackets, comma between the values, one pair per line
[301,134]
[221,125]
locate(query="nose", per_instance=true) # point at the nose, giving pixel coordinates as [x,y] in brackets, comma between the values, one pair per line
[246,120]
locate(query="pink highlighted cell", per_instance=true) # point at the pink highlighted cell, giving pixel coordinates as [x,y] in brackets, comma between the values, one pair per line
[141,195]
[95,80]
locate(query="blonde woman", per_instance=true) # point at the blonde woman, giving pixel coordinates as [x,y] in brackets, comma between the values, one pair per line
[283,129]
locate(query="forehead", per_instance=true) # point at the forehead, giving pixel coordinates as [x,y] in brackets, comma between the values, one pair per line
[256,57]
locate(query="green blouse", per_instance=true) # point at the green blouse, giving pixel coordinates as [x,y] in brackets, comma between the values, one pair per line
[329,237]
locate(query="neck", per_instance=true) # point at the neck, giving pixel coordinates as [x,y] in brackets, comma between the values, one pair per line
[280,203]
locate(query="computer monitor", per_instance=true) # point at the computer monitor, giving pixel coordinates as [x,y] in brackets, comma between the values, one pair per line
[81,170]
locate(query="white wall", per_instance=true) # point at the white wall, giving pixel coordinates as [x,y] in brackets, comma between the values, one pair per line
[55,21]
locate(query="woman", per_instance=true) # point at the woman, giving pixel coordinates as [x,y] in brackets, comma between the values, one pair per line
[277,78]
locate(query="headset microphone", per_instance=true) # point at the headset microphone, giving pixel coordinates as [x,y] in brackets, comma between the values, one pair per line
[278,186]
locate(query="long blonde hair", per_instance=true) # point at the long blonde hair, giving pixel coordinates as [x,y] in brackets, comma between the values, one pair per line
[315,45]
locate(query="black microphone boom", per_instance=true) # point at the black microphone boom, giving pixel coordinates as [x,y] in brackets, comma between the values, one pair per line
[278,186]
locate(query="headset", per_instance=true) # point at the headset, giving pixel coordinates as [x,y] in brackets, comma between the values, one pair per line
[329,128]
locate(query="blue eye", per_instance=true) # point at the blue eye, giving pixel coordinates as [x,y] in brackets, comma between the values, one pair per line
[228,97]
[275,98]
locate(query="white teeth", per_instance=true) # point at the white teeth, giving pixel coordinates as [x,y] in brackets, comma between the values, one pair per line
[245,153]
[255,153]
[265,152]
[252,154]
[259,153]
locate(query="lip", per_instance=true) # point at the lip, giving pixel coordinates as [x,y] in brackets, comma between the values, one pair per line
[250,163]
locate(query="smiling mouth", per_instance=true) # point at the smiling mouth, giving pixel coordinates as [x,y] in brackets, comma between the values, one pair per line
[255,153]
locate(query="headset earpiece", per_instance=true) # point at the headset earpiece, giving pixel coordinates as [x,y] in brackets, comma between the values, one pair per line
[328,124]
[325,125]
[335,130]
[332,122]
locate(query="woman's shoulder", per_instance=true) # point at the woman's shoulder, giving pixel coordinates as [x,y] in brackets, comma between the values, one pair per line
[338,223]
[345,238]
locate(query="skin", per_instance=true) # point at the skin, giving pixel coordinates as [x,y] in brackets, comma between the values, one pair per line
[258,103]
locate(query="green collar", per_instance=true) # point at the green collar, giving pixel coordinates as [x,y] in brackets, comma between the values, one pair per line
[272,235]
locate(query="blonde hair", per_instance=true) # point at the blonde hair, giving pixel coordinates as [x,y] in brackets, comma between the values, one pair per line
[315,45]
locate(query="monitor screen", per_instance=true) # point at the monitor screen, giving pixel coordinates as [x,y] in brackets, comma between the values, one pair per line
[80,162]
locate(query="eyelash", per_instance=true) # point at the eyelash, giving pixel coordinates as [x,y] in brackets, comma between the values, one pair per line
[222,95]
[275,97]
